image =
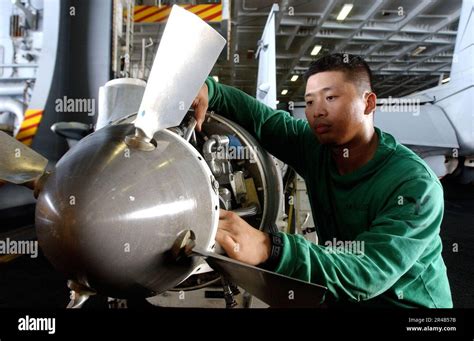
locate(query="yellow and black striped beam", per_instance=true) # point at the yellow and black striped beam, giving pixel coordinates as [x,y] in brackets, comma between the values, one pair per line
[29,126]
[159,14]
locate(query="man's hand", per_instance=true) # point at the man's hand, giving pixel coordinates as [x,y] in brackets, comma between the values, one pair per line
[200,104]
[241,241]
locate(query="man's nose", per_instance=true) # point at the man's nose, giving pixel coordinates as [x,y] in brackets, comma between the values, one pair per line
[319,112]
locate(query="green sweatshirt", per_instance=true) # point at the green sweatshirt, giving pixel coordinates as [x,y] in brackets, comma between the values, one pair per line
[378,226]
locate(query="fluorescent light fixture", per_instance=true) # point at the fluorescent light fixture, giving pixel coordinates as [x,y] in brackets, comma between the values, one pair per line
[294,78]
[284,92]
[316,50]
[216,78]
[344,11]
[446,80]
[418,50]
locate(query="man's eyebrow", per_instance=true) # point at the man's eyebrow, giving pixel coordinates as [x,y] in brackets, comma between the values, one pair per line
[309,94]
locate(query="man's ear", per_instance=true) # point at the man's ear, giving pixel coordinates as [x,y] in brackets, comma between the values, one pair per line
[370,102]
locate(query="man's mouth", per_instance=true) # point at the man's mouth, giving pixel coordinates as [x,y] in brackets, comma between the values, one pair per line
[322,128]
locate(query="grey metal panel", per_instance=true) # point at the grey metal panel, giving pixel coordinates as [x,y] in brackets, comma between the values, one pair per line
[75,63]
[49,81]
[89,65]
[456,99]
[278,291]
[460,110]
[428,127]
[98,52]
[464,50]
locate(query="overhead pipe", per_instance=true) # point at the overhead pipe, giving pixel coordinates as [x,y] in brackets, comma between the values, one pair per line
[12,89]
[8,104]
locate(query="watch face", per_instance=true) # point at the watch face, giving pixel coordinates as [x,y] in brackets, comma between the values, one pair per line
[276,239]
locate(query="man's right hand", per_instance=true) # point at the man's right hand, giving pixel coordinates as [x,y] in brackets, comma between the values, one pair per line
[200,104]
[241,241]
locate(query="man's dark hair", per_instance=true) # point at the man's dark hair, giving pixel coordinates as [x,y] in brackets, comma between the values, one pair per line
[355,69]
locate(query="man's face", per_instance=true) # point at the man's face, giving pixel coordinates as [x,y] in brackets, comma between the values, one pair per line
[334,107]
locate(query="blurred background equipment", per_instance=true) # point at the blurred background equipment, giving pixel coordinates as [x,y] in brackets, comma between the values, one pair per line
[70,68]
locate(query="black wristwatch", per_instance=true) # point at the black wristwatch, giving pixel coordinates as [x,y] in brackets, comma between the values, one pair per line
[275,254]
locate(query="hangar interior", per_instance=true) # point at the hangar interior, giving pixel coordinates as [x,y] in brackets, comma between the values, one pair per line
[409,45]
[72,77]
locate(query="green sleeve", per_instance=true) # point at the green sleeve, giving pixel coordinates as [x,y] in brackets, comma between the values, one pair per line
[277,131]
[403,228]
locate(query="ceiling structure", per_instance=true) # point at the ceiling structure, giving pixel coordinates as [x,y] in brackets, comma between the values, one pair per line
[408,44]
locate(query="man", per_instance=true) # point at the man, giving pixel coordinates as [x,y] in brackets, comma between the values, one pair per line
[363,186]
